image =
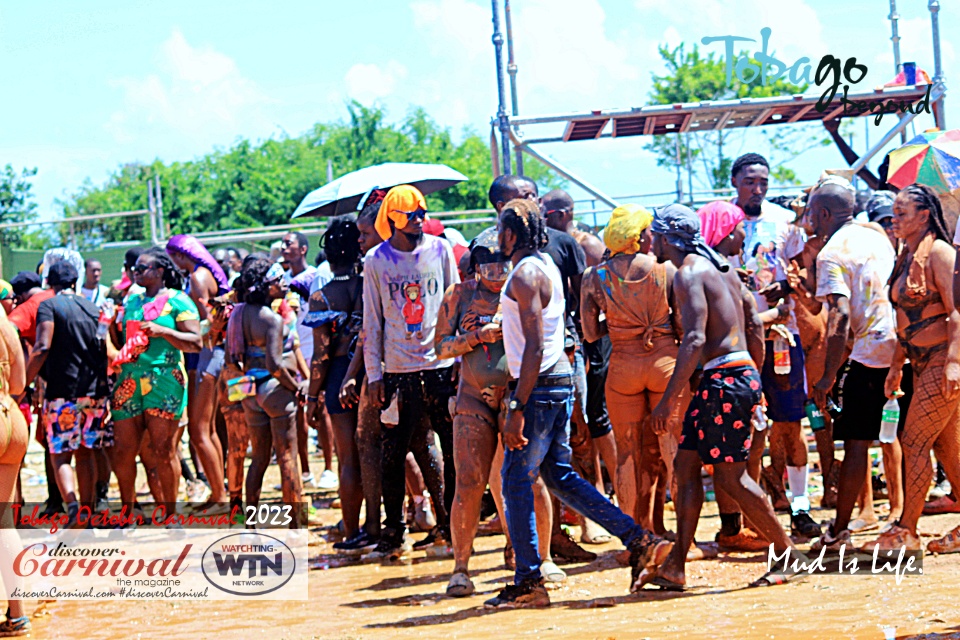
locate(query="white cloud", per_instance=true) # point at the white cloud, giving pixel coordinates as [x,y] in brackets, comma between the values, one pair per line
[916,45]
[196,91]
[368,82]
[795,29]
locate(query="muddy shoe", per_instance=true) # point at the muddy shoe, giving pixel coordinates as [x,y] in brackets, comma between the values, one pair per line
[392,546]
[832,543]
[894,539]
[949,543]
[563,547]
[529,593]
[646,553]
[745,540]
[803,526]
[460,586]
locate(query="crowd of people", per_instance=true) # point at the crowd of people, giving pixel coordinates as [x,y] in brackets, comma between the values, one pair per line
[569,377]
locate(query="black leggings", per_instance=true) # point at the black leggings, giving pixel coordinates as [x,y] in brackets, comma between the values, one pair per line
[597,354]
[423,408]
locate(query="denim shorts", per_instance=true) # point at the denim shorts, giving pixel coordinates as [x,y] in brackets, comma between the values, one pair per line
[210,362]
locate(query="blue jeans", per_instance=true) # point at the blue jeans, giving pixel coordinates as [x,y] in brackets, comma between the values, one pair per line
[547,428]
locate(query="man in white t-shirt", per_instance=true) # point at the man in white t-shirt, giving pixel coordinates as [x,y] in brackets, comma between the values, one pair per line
[92,290]
[852,273]
[771,241]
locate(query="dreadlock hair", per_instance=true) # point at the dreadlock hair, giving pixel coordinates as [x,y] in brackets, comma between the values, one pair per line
[926,198]
[341,241]
[251,287]
[746,160]
[372,206]
[172,279]
[523,217]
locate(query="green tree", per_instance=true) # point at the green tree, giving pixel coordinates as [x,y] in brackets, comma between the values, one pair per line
[256,184]
[707,156]
[16,204]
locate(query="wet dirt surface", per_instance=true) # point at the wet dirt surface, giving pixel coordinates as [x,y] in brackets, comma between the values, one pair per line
[352,600]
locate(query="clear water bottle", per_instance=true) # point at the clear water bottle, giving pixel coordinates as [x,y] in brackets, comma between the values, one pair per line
[107,312]
[814,416]
[781,356]
[890,420]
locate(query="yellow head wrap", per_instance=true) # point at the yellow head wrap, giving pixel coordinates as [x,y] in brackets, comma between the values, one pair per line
[399,202]
[627,222]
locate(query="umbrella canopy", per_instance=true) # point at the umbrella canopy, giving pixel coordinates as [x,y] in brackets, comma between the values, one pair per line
[932,158]
[344,194]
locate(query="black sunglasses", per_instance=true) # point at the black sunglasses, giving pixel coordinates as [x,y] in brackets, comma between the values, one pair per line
[141,268]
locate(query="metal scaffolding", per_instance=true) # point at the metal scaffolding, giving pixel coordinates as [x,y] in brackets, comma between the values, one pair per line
[699,116]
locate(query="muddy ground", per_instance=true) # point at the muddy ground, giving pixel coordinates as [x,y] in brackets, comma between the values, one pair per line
[351,600]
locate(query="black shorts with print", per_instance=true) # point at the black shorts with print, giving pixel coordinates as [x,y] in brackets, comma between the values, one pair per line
[717,423]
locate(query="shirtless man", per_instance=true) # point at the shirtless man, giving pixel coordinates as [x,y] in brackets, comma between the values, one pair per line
[716,428]
[536,433]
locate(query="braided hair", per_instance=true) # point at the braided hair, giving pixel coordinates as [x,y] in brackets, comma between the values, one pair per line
[172,279]
[252,287]
[523,217]
[925,198]
[747,160]
[341,241]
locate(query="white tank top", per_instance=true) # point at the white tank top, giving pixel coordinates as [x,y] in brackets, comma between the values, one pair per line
[513,340]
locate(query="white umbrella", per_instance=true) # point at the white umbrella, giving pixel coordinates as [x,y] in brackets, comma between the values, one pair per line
[345,194]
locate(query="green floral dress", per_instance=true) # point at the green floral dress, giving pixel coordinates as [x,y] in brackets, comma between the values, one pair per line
[155,382]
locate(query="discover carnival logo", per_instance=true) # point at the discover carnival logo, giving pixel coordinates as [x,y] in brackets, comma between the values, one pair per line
[248,564]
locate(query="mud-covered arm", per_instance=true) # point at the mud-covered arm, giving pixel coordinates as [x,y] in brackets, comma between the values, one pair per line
[942,261]
[591,300]
[754,327]
[447,342]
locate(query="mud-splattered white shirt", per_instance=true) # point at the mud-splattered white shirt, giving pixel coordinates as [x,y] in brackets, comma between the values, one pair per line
[857,262]
[402,293]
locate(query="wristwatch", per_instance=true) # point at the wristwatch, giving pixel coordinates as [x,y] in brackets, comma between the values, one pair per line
[516,405]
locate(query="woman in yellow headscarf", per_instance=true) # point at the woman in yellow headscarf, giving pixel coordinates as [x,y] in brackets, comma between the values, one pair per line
[634,291]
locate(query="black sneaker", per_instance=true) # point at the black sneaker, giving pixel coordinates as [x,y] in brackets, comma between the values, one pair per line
[392,546]
[52,509]
[529,593]
[358,544]
[435,536]
[803,526]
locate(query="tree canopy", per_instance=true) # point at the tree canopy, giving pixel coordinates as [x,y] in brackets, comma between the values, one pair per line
[707,156]
[261,183]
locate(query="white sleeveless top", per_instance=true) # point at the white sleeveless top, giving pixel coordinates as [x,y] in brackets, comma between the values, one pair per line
[513,340]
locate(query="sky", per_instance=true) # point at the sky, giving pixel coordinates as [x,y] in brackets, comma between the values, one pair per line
[91,86]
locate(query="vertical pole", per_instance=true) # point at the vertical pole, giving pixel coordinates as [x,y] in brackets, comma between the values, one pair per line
[938,113]
[501,92]
[689,168]
[679,169]
[512,71]
[152,209]
[895,38]
[163,230]
[329,170]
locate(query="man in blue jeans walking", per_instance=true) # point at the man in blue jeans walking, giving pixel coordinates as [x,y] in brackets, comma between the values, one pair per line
[536,436]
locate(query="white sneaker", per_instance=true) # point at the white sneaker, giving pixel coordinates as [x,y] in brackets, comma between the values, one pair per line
[305,479]
[308,479]
[328,481]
